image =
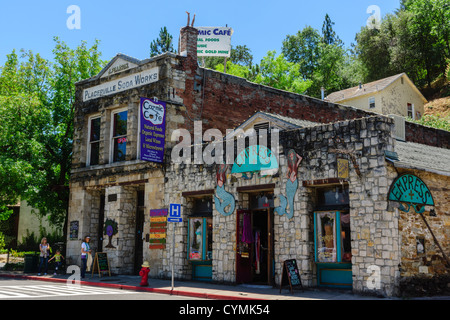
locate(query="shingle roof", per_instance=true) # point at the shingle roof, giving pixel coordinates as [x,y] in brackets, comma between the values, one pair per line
[423,157]
[366,88]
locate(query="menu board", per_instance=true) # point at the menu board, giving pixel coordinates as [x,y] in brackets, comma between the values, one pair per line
[101,263]
[290,275]
[73,233]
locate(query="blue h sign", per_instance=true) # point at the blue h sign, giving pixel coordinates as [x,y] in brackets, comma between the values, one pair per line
[175,213]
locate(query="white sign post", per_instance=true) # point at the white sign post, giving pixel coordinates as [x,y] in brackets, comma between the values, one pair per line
[174,216]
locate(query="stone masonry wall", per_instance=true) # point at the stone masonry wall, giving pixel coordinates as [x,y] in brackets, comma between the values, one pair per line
[374,225]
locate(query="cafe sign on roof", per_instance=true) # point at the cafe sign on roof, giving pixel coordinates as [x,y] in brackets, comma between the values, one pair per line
[410,189]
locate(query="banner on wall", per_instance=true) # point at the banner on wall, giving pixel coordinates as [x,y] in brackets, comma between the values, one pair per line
[153,129]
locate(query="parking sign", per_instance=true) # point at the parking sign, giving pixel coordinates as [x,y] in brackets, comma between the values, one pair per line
[175,213]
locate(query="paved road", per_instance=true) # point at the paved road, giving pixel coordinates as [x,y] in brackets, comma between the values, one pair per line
[29,289]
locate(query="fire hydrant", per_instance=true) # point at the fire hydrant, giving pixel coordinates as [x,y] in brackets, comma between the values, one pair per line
[144,274]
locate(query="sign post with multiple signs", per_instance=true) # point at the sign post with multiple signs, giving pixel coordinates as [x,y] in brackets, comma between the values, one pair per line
[174,216]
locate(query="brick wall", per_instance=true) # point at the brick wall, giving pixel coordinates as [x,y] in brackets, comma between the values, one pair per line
[224,101]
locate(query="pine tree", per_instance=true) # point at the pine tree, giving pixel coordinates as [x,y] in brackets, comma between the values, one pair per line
[162,44]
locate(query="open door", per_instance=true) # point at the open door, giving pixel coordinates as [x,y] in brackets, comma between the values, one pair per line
[243,249]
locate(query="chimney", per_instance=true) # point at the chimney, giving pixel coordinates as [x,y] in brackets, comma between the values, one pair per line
[188,42]
[322,91]
[360,85]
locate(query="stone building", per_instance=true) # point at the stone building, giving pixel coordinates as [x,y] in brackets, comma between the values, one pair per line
[331,211]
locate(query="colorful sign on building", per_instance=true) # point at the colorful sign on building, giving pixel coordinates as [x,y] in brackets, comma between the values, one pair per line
[153,129]
[158,228]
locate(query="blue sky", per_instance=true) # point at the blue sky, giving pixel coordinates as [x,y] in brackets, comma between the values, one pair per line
[129,26]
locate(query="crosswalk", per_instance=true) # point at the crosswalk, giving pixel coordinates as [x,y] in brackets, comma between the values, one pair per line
[43,291]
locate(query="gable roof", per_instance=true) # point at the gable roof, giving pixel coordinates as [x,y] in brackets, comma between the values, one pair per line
[277,120]
[370,88]
[117,57]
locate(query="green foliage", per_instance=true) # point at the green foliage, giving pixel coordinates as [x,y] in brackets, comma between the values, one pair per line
[36,131]
[435,121]
[2,241]
[162,44]
[414,40]
[277,72]
[303,49]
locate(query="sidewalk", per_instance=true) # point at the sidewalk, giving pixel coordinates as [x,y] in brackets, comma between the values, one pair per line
[199,289]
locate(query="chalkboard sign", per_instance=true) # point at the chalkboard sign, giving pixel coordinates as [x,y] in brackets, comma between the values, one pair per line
[101,263]
[290,275]
[73,233]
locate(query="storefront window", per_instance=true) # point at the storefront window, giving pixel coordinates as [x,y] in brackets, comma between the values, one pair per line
[200,238]
[332,236]
[326,236]
[195,238]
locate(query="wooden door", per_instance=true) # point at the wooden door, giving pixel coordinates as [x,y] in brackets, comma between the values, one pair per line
[243,251]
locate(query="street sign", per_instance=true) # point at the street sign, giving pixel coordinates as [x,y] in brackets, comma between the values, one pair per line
[175,213]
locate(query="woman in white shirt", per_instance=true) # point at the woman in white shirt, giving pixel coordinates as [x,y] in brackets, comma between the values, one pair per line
[44,249]
[85,251]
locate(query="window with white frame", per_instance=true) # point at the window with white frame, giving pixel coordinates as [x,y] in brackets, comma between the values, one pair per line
[93,154]
[119,135]
[372,102]
[410,110]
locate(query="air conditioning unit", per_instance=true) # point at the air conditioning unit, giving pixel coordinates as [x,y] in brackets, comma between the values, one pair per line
[399,127]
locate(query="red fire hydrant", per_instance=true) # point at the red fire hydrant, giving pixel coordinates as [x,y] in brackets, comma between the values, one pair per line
[144,274]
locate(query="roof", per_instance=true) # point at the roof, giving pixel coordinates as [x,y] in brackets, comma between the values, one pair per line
[368,88]
[422,157]
[287,120]
[280,121]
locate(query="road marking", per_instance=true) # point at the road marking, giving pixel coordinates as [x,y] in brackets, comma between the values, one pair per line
[41,291]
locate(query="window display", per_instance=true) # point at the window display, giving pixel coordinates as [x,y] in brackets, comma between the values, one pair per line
[326,236]
[332,236]
[200,238]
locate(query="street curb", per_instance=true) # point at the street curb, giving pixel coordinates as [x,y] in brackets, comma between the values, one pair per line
[193,294]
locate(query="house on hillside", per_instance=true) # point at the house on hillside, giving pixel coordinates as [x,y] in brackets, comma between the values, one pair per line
[392,95]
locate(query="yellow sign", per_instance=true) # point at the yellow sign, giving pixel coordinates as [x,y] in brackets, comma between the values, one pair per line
[158,219]
[342,168]
[157,235]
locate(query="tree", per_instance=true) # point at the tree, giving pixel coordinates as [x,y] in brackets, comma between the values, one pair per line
[328,34]
[36,131]
[303,49]
[277,72]
[414,40]
[162,44]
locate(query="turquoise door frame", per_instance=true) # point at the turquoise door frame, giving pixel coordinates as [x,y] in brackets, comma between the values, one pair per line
[201,269]
[336,274]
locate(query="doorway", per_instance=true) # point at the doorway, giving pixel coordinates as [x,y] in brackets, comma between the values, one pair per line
[254,254]
[139,241]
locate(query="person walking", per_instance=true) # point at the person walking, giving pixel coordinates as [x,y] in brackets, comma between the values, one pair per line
[85,252]
[57,258]
[44,249]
